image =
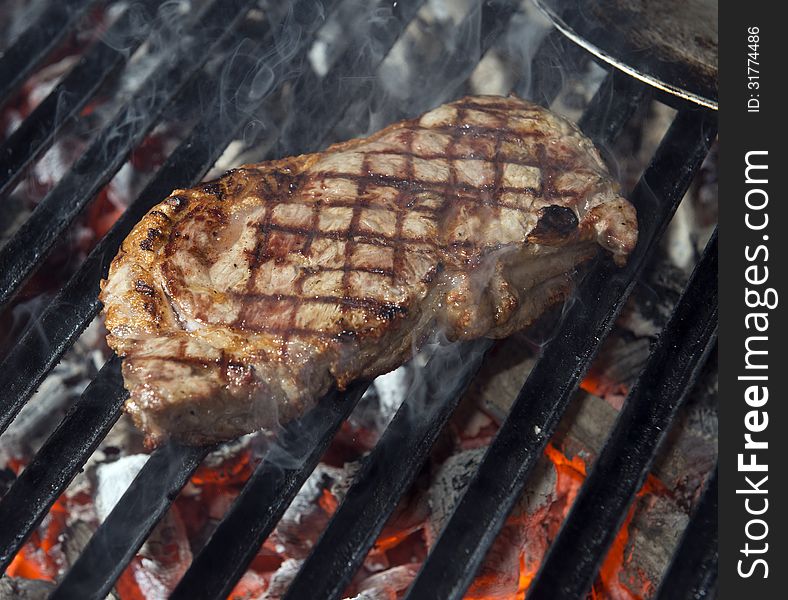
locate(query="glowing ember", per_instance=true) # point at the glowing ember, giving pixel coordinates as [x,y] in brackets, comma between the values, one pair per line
[42,556]
[609,583]
[597,384]
[506,574]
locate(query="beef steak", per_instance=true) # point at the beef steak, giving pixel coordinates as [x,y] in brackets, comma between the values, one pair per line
[237,303]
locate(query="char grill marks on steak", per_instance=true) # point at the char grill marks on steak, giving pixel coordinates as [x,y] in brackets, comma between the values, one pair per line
[237,303]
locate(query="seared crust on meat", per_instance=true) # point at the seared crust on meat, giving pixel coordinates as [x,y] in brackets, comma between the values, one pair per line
[237,303]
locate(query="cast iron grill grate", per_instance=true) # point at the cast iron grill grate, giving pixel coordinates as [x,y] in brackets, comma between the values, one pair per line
[393,464]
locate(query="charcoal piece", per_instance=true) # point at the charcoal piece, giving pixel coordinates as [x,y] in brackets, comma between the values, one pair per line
[17,588]
[282,579]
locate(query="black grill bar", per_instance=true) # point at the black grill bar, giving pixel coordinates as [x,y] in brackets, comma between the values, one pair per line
[322,101]
[692,573]
[498,483]
[37,41]
[629,452]
[462,60]
[44,479]
[394,462]
[130,522]
[24,251]
[266,495]
[611,107]
[491,18]
[35,134]
[71,310]
[496,15]
[556,57]
[310,134]
[387,473]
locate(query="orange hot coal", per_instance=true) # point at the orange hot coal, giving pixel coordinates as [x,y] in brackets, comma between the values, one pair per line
[597,384]
[517,553]
[42,556]
[544,525]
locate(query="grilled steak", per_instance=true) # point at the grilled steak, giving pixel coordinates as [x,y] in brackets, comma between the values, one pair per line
[237,303]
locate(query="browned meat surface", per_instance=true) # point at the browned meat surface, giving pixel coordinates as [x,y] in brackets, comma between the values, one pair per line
[238,303]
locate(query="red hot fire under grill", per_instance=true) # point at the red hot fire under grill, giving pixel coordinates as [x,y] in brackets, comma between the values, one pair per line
[576,554]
